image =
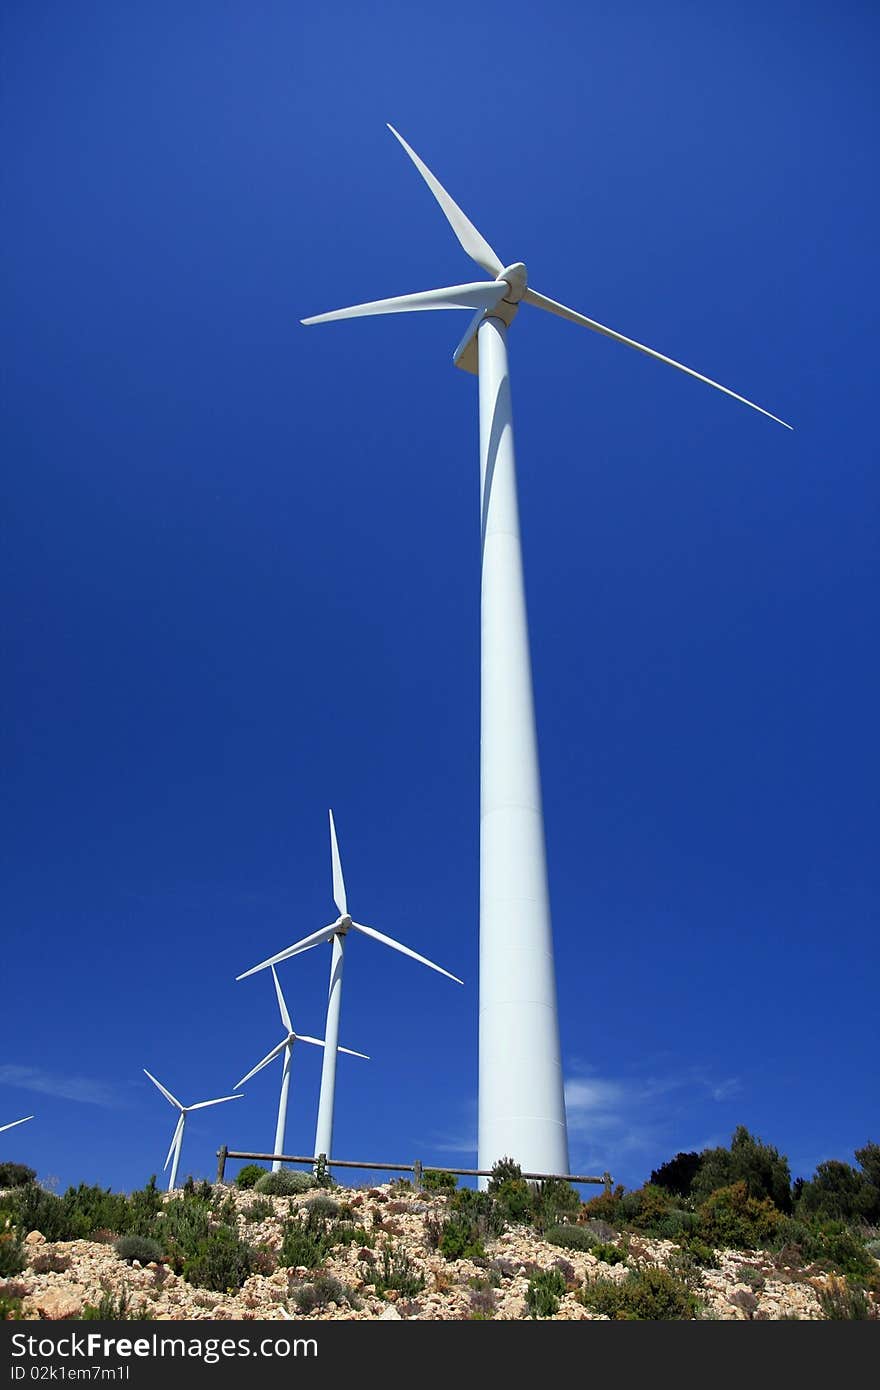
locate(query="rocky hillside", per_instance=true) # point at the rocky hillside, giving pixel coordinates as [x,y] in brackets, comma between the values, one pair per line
[373,1253]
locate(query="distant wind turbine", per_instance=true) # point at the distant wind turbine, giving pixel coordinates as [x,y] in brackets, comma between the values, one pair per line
[336,932]
[286,1046]
[521,1103]
[13,1123]
[177,1139]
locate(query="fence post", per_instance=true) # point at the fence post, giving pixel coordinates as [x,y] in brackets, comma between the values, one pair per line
[417,1175]
[221,1162]
[606,1178]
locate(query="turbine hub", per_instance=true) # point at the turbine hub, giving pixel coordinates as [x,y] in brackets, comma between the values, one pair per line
[343,924]
[517,278]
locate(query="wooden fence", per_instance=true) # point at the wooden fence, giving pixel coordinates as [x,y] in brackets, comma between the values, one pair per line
[417,1169]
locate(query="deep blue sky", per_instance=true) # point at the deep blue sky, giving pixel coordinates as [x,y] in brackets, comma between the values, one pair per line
[240,565]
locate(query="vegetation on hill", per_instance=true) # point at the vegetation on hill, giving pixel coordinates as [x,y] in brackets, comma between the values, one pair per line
[738,1198]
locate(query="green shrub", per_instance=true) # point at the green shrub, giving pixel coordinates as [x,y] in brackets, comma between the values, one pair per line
[248,1175]
[730,1217]
[838,1191]
[481,1209]
[15,1174]
[34,1209]
[284,1183]
[110,1309]
[142,1248]
[12,1259]
[677,1176]
[571,1237]
[182,1229]
[515,1200]
[11,1296]
[435,1181]
[761,1167]
[305,1242]
[321,1205]
[552,1202]
[840,1302]
[459,1239]
[647,1209]
[222,1261]
[144,1204]
[605,1207]
[323,1289]
[830,1244]
[609,1254]
[395,1271]
[544,1292]
[258,1210]
[346,1233]
[646,1295]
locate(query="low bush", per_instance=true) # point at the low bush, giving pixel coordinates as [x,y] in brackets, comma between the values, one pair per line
[571,1237]
[459,1239]
[544,1292]
[110,1309]
[11,1296]
[435,1181]
[12,1259]
[346,1233]
[247,1176]
[554,1201]
[609,1254]
[258,1210]
[142,1248]
[646,1295]
[16,1174]
[305,1242]
[730,1217]
[840,1302]
[222,1261]
[323,1289]
[322,1205]
[284,1183]
[394,1270]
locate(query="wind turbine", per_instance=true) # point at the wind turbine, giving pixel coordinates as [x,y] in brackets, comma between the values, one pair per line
[177,1138]
[336,932]
[521,1103]
[13,1123]
[286,1046]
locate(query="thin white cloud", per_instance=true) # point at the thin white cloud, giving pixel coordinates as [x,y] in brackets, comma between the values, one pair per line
[83,1089]
[624,1125]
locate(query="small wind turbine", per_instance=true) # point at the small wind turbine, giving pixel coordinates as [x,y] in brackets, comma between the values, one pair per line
[286,1046]
[521,1101]
[13,1123]
[336,932]
[177,1139]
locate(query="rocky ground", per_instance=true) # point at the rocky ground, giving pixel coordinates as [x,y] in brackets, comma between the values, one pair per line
[744,1286]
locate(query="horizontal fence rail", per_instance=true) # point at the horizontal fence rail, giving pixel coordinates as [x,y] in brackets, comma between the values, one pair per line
[417,1169]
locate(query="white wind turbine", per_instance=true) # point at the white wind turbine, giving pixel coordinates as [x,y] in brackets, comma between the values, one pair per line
[177,1138]
[13,1123]
[336,932]
[286,1046]
[521,1103]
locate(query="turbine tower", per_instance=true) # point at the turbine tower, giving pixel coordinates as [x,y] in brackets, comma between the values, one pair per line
[521,1101]
[336,932]
[286,1046]
[177,1138]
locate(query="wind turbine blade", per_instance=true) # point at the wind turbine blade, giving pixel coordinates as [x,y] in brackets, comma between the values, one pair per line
[13,1123]
[166,1094]
[285,1016]
[265,1062]
[350,1052]
[219,1101]
[542,302]
[388,941]
[305,945]
[174,1139]
[481,294]
[316,1042]
[475,245]
[338,881]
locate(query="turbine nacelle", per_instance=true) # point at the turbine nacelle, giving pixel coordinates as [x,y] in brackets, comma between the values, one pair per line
[517,278]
